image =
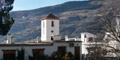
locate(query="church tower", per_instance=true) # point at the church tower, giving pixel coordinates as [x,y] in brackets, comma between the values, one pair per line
[49,27]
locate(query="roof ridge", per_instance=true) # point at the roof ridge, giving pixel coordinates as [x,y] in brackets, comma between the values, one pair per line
[50,16]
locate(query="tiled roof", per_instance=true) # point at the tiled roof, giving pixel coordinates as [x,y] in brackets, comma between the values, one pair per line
[50,17]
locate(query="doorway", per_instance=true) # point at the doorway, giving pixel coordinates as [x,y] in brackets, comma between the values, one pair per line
[77,53]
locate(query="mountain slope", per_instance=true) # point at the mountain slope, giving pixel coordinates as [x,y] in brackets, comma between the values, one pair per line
[75,18]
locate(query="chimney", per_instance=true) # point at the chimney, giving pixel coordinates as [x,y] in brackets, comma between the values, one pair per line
[38,39]
[66,38]
[10,39]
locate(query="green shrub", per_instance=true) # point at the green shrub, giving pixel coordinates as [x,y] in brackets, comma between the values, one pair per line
[60,56]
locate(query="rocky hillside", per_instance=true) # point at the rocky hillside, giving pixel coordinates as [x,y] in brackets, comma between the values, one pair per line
[75,18]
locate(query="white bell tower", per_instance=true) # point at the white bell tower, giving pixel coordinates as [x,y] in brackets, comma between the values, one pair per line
[49,27]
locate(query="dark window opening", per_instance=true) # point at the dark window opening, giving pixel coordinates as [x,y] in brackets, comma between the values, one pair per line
[37,53]
[52,31]
[9,55]
[52,38]
[77,53]
[90,39]
[52,24]
[62,49]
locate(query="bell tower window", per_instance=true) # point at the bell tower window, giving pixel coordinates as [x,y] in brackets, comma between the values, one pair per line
[52,31]
[52,38]
[52,23]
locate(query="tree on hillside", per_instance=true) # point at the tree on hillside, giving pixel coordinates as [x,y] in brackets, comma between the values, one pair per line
[5,20]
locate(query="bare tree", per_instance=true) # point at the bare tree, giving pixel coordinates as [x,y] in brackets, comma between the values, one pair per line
[109,17]
[96,50]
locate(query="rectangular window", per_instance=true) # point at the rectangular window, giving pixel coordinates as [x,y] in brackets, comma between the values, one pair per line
[90,39]
[38,52]
[9,55]
[52,23]
[52,38]
[62,49]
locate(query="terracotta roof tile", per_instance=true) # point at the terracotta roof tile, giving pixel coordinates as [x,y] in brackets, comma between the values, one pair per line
[50,17]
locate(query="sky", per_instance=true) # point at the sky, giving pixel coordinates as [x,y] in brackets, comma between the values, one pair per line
[34,4]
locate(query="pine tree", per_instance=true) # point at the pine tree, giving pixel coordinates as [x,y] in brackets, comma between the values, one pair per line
[5,20]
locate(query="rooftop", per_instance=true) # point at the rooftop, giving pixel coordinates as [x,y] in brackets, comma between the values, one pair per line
[50,17]
[36,43]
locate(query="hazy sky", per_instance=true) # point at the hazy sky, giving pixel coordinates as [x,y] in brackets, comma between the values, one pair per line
[33,4]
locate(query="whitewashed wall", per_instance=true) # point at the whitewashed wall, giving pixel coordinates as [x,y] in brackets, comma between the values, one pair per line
[49,49]
[88,35]
[46,29]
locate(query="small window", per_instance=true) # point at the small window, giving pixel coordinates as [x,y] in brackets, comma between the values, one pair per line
[9,54]
[52,23]
[38,52]
[62,49]
[85,36]
[52,31]
[52,38]
[90,39]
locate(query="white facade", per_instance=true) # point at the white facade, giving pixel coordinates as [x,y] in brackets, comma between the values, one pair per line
[49,48]
[86,41]
[85,37]
[48,31]
[50,42]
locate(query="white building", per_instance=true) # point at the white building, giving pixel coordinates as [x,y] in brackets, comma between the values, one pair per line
[87,37]
[47,48]
[49,43]
[87,40]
